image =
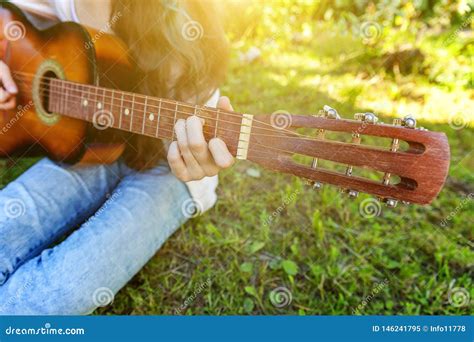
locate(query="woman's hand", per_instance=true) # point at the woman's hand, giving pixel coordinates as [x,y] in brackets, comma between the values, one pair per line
[8,88]
[190,157]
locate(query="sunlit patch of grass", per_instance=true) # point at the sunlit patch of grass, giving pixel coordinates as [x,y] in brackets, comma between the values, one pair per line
[318,246]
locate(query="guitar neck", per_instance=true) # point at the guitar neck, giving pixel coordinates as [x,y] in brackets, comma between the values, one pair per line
[140,114]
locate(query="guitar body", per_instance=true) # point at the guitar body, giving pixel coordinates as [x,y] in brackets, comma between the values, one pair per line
[26,49]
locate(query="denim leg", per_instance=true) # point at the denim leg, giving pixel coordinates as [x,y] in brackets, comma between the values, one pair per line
[97,260]
[44,203]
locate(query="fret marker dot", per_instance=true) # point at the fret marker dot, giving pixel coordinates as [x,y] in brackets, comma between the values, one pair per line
[99,105]
[85,103]
[151,117]
[126,111]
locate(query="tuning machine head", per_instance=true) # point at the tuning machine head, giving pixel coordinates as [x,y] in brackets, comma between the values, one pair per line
[390,202]
[317,185]
[368,117]
[352,193]
[409,121]
[330,112]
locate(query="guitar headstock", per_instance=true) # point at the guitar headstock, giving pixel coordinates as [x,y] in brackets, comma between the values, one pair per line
[411,167]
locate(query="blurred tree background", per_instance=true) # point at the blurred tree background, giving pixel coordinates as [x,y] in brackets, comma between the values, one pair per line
[432,38]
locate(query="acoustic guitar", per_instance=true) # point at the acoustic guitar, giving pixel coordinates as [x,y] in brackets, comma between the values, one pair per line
[72,80]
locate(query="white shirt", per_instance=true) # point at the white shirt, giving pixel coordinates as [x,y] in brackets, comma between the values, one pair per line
[202,191]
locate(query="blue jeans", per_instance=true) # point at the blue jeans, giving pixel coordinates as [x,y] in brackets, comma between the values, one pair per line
[119,218]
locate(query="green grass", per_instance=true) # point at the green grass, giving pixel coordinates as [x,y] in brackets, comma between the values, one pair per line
[319,246]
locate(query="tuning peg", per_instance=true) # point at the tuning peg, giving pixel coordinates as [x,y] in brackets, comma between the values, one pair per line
[350,193]
[317,185]
[330,112]
[409,121]
[390,202]
[353,193]
[368,117]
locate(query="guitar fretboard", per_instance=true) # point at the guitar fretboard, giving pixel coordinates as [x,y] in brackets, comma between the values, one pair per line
[145,115]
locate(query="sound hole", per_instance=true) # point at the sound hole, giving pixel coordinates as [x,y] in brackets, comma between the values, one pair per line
[46,73]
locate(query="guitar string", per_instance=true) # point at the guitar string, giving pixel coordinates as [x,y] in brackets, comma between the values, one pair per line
[232,145]
[295,135]
[162,100]
[113,104]
[171,117]
[253,143]
[171,132]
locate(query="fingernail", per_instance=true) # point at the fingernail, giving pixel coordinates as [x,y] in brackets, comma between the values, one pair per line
[195,117]
[12,89]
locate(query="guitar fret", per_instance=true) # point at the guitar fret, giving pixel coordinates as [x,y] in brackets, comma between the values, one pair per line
[83,103]
[121,111]
[95,102]
[89,100]
[158,119]
[217,120]
[66,97]
[102,106]
[174,121]
[112,104]
[61,107]
[144,115]
[132,113]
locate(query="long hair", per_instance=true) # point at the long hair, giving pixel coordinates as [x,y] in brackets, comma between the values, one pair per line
[179,50]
